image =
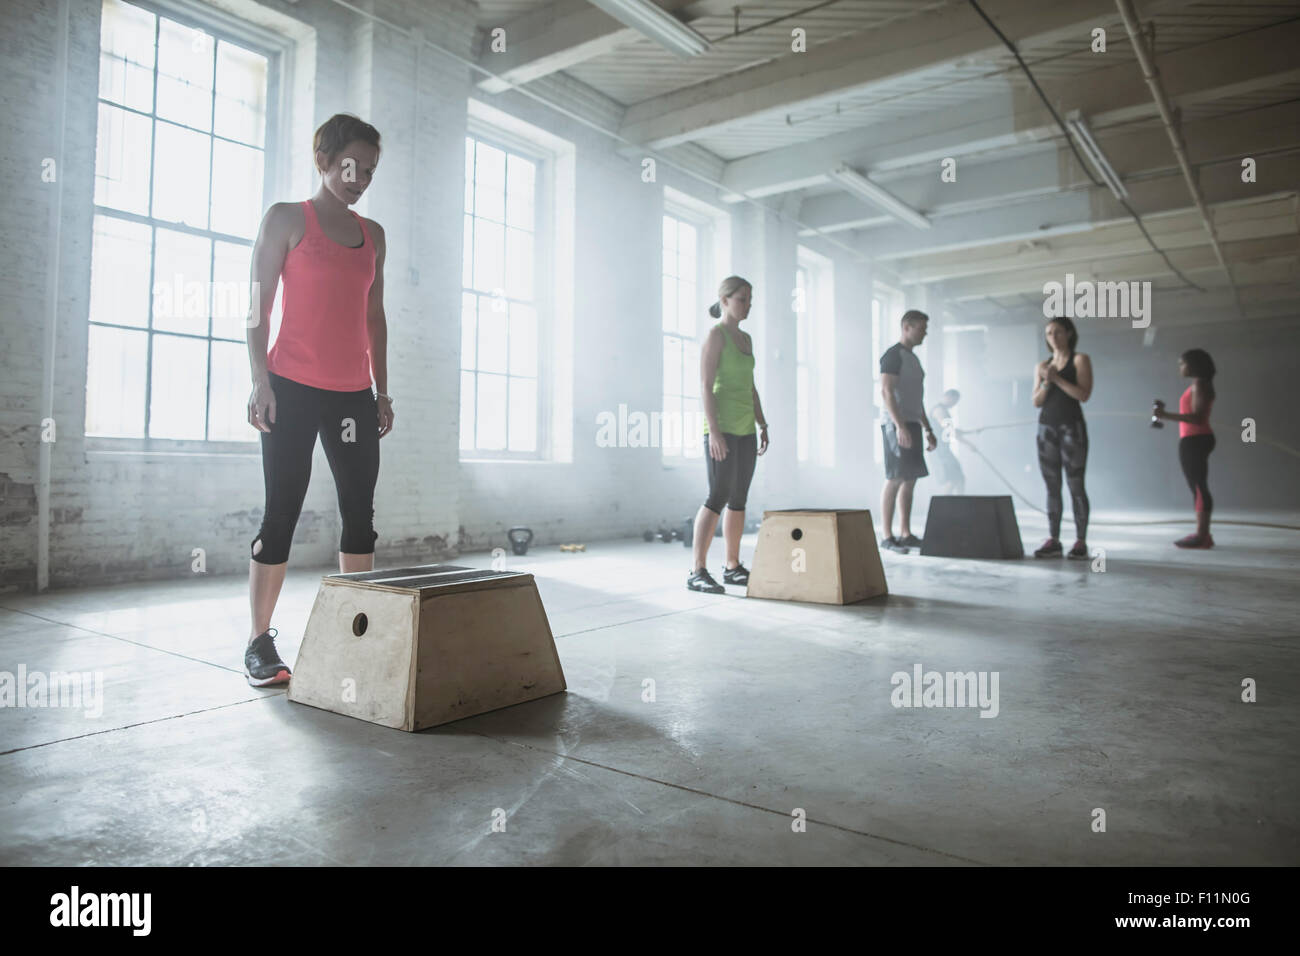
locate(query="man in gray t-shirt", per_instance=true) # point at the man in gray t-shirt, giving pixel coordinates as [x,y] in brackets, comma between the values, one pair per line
[902,387]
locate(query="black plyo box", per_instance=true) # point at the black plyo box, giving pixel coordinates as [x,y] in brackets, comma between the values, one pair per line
[972,526]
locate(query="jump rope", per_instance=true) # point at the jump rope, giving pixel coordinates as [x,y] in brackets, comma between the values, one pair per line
[961,436]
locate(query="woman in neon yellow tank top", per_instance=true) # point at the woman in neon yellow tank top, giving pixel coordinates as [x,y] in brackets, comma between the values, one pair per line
[735,425]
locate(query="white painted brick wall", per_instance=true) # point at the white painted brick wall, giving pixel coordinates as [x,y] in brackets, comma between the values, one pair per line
[126,517]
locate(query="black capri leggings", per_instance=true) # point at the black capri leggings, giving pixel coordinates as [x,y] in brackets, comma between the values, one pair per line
[1065,447]
[729,479]
[348,425]
[1194,456]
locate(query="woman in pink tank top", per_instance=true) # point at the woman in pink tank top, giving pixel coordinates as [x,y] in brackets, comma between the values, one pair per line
[316,379]
[1195,439]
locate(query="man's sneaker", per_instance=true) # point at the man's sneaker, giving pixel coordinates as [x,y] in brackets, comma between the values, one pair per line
[1080,550]
[1051,549]
[1193,541]
[262,664]
[893,544]
[737,575]
[702,580]
[910,541]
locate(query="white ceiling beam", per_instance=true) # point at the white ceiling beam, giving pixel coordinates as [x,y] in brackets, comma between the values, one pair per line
[991,183]
[1081,210]
[1114,267]
[565,33]
[1178,231]
[1117,240]
[1241,64]
[935,38]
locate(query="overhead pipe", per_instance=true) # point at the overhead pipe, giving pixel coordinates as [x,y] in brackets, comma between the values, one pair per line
[1152,76]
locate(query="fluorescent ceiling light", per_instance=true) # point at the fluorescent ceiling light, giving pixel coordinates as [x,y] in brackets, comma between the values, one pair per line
[861,186]
[656,23]
[1075,122]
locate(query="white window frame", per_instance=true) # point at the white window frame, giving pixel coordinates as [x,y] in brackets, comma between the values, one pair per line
[817,323]
[703,273]
[713,246]
[543,293]
[554,205]
[278,50]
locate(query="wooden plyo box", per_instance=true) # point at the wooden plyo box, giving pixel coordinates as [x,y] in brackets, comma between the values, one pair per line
[972,526]
[824,556]
[418,647]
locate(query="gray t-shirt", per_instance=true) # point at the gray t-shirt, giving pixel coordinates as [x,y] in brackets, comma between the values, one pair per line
[909,392]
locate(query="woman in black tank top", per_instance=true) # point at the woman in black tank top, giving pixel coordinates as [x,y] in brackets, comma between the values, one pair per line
[1059,407]
[1061,384]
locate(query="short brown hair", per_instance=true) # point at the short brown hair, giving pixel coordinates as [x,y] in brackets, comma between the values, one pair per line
[914,317]
[339,130]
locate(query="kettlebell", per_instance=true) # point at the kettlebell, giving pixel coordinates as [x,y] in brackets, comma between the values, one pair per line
[520,538]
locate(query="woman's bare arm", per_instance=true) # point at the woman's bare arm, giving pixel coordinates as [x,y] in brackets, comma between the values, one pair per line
[710,356]
[377,330]
[1040,384]
[274,239]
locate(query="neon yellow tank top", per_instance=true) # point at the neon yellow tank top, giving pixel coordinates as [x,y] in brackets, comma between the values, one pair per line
[733,386]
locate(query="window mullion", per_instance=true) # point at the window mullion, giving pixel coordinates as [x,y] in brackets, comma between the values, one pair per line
[153,235]
[212,246]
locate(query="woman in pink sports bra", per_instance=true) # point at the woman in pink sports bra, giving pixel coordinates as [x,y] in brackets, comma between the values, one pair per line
[316,379]
[1195,438]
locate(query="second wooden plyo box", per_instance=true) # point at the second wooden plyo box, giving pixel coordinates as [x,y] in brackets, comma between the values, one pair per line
[826,556]
[417,647]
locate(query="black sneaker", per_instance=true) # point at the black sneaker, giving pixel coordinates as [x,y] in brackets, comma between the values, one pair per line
[262,664]
[911,541]
[737,575]
[893,544]
[1079,551]
[702,580]
[1051,549]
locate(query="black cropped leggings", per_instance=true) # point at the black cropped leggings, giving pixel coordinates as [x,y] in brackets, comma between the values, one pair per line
[1194,456]
[729,479]
[1065,447]
[348,425]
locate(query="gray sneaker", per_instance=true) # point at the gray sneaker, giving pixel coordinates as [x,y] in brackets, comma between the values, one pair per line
[262,664]
[893,544]
[702,580]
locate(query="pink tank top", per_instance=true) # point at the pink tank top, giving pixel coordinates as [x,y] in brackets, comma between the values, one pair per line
[1185,408]
[323,340]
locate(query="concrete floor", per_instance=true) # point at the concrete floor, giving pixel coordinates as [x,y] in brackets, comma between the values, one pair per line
[1118,690]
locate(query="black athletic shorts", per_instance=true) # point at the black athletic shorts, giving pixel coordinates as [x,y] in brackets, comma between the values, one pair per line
[904,463]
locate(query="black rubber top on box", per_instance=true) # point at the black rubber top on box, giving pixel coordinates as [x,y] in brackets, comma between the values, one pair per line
[427,576]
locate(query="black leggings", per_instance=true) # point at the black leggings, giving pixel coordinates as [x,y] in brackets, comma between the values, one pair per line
[1065,446]
[729,479]
[1194,456]
[348,425]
